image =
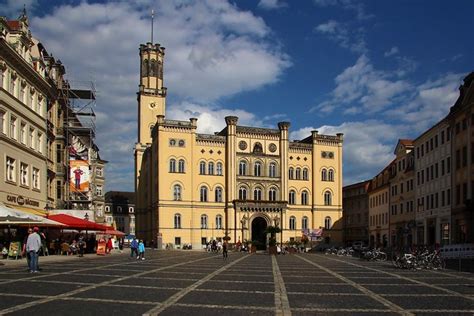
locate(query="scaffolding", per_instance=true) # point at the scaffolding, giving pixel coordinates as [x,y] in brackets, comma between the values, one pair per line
[78,100]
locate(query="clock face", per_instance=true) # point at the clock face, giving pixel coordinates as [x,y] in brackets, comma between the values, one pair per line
[152,105]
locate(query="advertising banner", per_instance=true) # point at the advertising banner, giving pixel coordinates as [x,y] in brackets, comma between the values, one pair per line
[79,175]
[101,247]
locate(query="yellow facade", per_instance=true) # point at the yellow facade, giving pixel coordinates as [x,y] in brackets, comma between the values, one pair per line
[191,187]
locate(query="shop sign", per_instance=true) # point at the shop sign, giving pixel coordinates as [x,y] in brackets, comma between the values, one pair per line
[20,200]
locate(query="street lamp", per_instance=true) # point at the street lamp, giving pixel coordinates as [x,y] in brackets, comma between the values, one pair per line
[86,217]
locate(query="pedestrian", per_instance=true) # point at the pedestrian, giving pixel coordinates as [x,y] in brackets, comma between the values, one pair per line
[33,245]
[224,249]
[25,253]
[82,246]
[134,248]
[141,250]
[109,246]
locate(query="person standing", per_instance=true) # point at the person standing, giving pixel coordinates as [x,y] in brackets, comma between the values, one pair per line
[25,253]
[141,250]
[33,245]
[82,246]
[109,246]
[134,248]
[224,249]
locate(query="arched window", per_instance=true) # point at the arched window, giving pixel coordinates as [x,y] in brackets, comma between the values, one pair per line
[242,168]
[219,169]
[257,148]
[203,194]
[292,223]
[305,174]
[292,197]
[202,167]
[257,169]
[218,194]
[272,194]
[181,166]
[304,223]
[145,68]
[153,68]
[203,221]
[291,173]
[327,198]
[257,194]
[218,222]
[177,220]
[211,168]
[324,175]
[272,170]
[177,192]
[298,173]
[331,175]
[304,197]
[242,193]
[172,165]
[327,222]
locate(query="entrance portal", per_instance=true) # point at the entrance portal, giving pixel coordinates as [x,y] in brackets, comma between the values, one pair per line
[259,225]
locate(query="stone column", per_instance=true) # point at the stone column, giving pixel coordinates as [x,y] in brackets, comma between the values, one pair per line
[314,178]
[284,145]
[230,170]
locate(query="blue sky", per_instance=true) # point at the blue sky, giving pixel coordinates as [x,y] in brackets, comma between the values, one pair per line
[375,70]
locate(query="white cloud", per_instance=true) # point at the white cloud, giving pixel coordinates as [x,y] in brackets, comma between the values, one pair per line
[352,38]
[368,146]
[364,87]
[272,4]
[212,47]
[393,51]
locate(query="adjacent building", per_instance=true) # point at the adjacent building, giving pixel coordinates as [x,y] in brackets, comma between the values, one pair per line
[379,207]
[43,134]
[193,187]
[120,211]
[355,201]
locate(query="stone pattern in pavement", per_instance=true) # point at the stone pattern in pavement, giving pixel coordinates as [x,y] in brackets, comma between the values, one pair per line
[200,283]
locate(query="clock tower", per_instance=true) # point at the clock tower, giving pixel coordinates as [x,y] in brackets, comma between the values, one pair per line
[151,94]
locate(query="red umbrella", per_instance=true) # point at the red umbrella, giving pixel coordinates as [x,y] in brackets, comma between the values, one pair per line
[76,223]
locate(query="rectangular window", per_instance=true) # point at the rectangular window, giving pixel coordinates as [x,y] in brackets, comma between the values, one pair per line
[431,144]
[422,150]
[177,241]
[443,198]
[458,194]
[401,208]
[448,134]
[458,128]
[24,174]
[436,141]
[417,152]
[36,179]
[12,86]
[23,133]
[464,192]
[3,116]
[442,167]
[448,165]
[436,170]
[99,190]
[448,197]
[13,127]
[464,156]
[39,140]
[31,137]
[458,159]
[59,191]
[427,145]
[442,137]
[11,169]
[422,176]
[432,172]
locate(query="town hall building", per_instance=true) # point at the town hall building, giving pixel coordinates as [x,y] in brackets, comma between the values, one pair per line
[192,188]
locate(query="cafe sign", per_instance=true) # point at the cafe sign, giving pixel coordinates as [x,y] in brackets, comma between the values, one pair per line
[20,200]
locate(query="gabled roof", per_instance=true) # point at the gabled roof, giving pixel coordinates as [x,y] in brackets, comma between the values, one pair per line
[14,25]
[407,143]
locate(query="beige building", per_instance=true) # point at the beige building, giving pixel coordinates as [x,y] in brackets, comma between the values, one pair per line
[356,212]
[193,187]
[461,122]
[120,210]
[379,203]
[402,195]
[433,185]
[40,127]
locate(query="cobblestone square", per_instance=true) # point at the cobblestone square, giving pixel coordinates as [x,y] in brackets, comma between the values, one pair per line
[201,283]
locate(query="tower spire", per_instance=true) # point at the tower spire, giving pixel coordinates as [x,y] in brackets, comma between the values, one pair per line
[152,17]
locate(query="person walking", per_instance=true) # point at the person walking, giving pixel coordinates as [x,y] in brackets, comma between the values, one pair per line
[82,246]
[141,250]
[134,248]
[33,245]
[224,249]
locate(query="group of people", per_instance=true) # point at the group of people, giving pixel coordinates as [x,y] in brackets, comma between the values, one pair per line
[216,247]
[137,248]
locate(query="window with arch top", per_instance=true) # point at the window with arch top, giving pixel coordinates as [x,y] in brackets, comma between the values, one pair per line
[202,167]
[257,169]
[257,194]
[304,197]
[305,174]
[204,221]
[257,148]
[218,194]
[272,194]
[298,173]
[211,168]
[327,222]
[177,192]
[219,222]
[292,223]
[324,175]
[172,165]
[203,194]
[181,166]
[331,175]
[304,223]
[292,197]
[219,169]
[291,172]
[242,168]
[272,170]
[327,198]
[242,193]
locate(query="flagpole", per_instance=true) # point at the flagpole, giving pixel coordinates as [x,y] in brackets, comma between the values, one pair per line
[152,16]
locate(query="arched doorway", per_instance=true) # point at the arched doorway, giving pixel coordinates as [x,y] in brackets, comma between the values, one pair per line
[259,225]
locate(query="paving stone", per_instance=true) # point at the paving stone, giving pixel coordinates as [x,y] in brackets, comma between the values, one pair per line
[333,301]
[38,288]
[219,298]
[8,301]
[321,288]
[432,303]
[412,289]
[127,294]
[156,282]
[240,286]
[211,311]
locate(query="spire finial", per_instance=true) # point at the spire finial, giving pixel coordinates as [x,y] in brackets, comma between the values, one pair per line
[152,17]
